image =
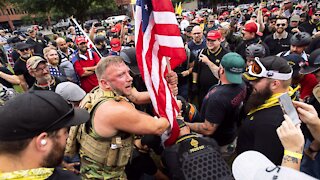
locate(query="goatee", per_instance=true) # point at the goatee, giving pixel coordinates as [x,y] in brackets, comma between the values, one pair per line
[257,98]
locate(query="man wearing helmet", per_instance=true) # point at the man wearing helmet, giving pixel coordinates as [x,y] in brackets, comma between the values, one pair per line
[253,51]
[299,42]
[280,40]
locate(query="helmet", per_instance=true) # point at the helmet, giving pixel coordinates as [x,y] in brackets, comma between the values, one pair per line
[301,39]
[189,111]
[255,50]
[99,39]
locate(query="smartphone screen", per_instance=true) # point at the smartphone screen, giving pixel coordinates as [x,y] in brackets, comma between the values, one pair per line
[288,108]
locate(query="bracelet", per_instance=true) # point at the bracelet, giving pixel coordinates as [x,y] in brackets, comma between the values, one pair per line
[194,81]
[293,154]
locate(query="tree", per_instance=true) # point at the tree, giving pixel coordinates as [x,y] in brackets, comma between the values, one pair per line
[78,8]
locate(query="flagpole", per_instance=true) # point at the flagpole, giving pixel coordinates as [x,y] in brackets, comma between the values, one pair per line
[85,34]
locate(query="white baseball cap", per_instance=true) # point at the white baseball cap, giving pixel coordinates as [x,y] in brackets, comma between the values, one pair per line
[252,165]
[70,91]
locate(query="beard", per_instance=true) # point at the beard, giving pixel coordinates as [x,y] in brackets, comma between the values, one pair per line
[257,98]
[83,50]
[26,56]
[55,156]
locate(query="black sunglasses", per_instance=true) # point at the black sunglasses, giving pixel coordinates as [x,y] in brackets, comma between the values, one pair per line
[26,49]
[281,25]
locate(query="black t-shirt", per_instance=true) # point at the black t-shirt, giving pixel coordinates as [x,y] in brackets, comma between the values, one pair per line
[206,79]
[278,45]
[140,163]
[21,69]
[222,106]
[184,66]
[195,157]
[3,81]
[38,45]
[309,27]
[258,133]
[194,48]
[59,174]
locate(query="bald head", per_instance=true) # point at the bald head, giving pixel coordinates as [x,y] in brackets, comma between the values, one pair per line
[61,44]
[197,34]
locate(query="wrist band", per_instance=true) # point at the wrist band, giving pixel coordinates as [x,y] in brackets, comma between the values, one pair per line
[293,154]
[194,81]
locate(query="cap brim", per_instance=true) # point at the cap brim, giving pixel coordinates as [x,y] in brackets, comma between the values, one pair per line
[245,166]
[234,78]
[24,46]
[308,69]
[35,65]
[80,116]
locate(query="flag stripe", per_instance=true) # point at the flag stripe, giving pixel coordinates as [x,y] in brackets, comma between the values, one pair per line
[165,18]
[157,39]
[169,41]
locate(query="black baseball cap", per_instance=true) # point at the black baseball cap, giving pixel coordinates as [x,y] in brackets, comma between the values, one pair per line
[22,45]
[313,63]
[37,111]
[129,57]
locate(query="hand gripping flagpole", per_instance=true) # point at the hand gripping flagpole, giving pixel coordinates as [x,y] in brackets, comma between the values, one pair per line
[85,35]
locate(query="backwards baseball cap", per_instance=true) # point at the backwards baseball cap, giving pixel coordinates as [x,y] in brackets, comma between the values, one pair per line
[313,63]
[36,111]
[214,34]
[80,39]
[252,28]
[273,67]
[33,62]
[115,44]
[252,165]
[234,66]
[70,91]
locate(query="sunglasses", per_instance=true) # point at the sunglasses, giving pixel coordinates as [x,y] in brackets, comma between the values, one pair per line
[258,70]
[298,8]
[26,49]
[281,25]
[197,33]
[317,14]
[211,21]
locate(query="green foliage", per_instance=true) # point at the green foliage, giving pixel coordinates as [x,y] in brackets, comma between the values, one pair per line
[65,8]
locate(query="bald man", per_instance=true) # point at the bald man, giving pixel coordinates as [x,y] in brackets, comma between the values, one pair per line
[198,41]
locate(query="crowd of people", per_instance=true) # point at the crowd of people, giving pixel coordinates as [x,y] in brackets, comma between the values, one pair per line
[71,109]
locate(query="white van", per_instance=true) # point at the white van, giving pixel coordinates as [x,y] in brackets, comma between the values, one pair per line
[115,19]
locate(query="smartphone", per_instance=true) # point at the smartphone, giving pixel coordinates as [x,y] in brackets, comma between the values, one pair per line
[288,108]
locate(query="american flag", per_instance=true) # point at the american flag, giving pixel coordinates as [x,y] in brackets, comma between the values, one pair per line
[80,32]
[157,38]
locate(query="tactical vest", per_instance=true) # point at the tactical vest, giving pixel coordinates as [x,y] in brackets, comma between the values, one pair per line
[101,158]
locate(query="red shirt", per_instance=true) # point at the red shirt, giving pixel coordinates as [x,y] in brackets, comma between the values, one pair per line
[308,82]
[87,82]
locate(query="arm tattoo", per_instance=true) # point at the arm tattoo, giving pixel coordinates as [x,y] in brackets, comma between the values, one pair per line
[289,159]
